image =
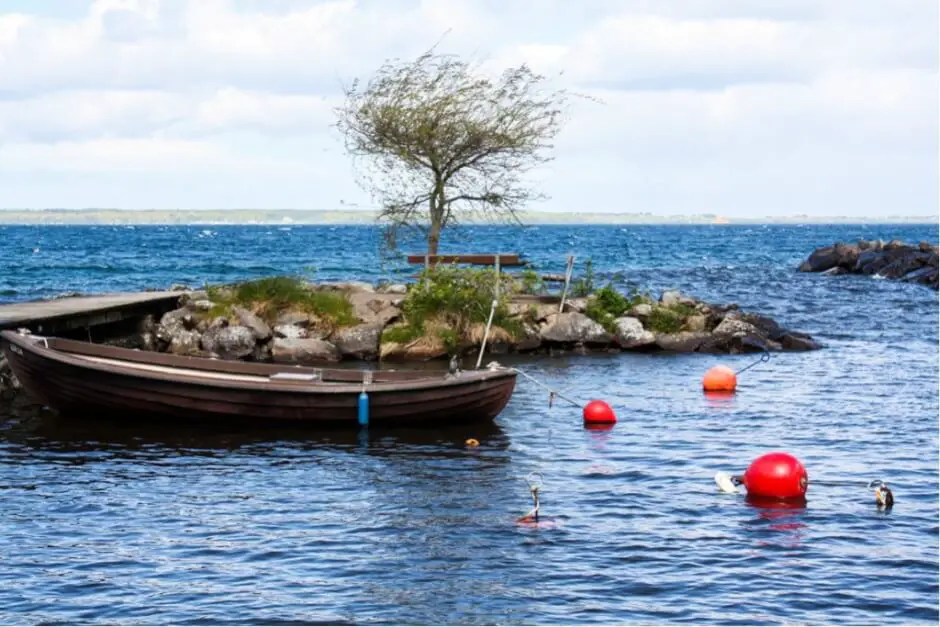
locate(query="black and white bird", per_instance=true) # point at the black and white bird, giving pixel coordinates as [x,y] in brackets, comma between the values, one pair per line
[454,366]
[883,496]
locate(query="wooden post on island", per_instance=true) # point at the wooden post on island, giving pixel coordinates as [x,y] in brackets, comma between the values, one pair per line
[564,293]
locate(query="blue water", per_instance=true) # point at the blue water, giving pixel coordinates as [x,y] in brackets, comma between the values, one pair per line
[163,525]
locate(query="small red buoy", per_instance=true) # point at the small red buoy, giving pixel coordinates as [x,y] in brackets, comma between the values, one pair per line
[720,379]
[776,475]
[599,412]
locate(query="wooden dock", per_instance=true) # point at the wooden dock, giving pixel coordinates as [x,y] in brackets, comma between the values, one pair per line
[84,312]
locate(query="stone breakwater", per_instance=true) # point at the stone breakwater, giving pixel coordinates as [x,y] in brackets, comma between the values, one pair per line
[298,337]
[892,260]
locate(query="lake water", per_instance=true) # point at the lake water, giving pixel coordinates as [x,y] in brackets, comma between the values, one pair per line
[168,525]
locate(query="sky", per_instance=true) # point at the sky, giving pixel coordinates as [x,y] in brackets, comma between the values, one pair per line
[740,108]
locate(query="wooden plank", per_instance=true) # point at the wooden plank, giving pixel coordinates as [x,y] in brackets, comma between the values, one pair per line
[108,306]
[478,259]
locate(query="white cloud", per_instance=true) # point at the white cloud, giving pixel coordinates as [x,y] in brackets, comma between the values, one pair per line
[825,106]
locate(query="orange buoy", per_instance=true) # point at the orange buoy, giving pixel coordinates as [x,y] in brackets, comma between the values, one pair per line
[776,476]
[720,379]
[599,412]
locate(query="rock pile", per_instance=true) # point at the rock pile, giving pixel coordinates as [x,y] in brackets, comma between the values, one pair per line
[298,338]
[894,260]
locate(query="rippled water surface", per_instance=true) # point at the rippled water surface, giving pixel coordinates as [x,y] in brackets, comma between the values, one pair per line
[170,525]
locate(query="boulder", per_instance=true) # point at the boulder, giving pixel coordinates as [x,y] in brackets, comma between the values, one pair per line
[682,342]
[767,327]
[736,327]
[303,351]
[537,312]
[185,342]
[671,298]
[631,334]
[258,326]
[230,342]
[375,309]
[530,340]
[696,324]
[290,331]
[793,341]
[172,322]
[641,311]
[202,304]
[576,305]
[573,327]
[394,288]
[359,342]
[295,318]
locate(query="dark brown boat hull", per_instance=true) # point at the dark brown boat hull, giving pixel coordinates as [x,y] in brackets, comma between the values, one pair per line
[77,389]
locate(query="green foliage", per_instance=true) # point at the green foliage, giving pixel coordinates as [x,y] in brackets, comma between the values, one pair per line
[584,286]
[402,334]
[668,319]
[531,283]
[608,304]
[270,295]
[458,298]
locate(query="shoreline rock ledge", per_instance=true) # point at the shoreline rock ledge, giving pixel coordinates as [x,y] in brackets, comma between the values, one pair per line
[894,260]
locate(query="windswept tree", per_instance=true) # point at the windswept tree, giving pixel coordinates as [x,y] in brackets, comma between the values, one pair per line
[439,143]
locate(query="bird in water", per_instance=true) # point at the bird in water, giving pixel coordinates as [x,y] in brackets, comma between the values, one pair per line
[883,496]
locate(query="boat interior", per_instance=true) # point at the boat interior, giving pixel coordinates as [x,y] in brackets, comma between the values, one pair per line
[225,369]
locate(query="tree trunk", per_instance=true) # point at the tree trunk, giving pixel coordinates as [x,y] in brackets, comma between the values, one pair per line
[436,215]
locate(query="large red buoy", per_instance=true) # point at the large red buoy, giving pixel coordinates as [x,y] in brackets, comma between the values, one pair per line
[599,412]
[776,476]
[720,379]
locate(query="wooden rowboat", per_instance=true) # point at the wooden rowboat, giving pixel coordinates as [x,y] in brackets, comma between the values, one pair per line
[84,379]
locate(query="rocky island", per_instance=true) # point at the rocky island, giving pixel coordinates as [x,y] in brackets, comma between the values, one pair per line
[892,260]
[287,320]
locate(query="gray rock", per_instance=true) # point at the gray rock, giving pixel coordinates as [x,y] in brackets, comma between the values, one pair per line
[536,311]
[736,327]
[230,342]
[374,309]
[671,298]
[185,343]
[258,326]
[576,305]
[682,342]
[359,342]
[573,327]
[173,323]
[631,334]
[296,318]
[290,331]
[201,305]
[531,339]
[641,311]
[793,341]
[395,288]
[696,324]
[304,351]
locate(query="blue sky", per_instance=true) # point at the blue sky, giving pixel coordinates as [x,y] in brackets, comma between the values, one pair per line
[735,107]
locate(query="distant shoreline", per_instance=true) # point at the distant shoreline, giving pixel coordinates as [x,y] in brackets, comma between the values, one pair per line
[290,217]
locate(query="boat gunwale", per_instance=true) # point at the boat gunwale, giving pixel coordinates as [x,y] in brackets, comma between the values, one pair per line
[35,346]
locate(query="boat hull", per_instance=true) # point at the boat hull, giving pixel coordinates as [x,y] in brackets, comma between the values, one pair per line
[71,386]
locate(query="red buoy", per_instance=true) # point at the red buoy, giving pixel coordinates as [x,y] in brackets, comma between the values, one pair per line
[720,379]
[599,412]
[776,475]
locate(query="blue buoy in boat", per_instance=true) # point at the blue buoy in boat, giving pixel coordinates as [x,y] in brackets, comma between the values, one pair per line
[363,409]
